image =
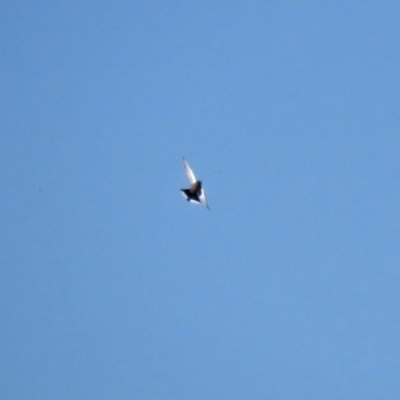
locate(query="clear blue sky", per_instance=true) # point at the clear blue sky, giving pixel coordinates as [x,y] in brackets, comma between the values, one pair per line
[113,287]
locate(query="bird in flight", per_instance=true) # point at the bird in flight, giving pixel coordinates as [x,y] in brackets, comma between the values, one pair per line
[195,194]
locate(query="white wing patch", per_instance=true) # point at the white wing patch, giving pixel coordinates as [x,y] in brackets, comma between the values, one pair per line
[189,173]
[203,198]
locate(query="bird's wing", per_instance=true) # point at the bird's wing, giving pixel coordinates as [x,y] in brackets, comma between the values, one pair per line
[194,201]
[203,198]
[189,173]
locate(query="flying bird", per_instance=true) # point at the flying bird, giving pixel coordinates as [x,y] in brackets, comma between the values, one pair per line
[195,194]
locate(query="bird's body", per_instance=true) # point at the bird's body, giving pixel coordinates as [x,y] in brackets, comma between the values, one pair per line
[195,193]
[195,188]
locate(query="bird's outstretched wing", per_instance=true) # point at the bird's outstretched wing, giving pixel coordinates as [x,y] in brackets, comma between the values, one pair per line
[189,173]
[203,198]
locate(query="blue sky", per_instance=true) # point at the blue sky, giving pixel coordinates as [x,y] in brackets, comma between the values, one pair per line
[114,287]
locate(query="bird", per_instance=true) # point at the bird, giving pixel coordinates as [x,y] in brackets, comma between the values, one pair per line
[195,194]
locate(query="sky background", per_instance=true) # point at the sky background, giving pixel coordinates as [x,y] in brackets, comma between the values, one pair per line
[114,287]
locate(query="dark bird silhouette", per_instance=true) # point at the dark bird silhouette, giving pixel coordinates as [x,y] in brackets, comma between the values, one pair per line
[196,193]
